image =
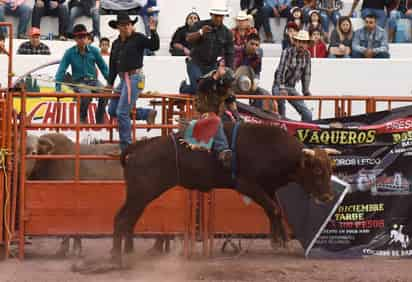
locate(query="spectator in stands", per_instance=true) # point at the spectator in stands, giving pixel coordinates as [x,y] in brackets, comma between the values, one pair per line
[51,8]
[340,45]
[290,30]
[253,8]
[370,41]
[3,44]
[376,7]
[114,7]
[318,48]
[294,65]
[150,10]
[314,21]
[250,56]
[18,9]
[179,46]
[296,16]
[88,8]
[211,39]
[329,10]
[126,60]
[403,10]
[83,59]
[274,9]
[104,46]
[305,5]
[34,46]
[242,30]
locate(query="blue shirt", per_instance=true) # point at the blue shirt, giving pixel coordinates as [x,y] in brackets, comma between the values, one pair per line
[83,65]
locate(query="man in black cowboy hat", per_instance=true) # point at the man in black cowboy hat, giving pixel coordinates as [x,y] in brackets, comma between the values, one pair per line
[83,59]
[126,60]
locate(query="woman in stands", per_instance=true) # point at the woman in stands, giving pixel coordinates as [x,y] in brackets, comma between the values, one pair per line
[179,46]
[341,39]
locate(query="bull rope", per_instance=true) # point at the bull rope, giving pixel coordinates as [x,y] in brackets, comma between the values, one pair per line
[95,88]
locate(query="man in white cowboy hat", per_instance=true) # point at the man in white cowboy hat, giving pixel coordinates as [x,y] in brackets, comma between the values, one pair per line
[210,39]
[294,65]
[242,29]
[126,60]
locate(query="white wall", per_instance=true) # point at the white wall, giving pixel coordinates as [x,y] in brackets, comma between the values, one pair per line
[329,76]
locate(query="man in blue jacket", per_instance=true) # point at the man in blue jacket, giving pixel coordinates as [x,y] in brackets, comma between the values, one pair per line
[370,41]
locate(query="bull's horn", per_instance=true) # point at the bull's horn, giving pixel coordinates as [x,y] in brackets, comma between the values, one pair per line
[308,152]
[331,151]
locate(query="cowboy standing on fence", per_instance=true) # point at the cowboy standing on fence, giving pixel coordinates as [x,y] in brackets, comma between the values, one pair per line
[83,59]
[294,65]
[126,60]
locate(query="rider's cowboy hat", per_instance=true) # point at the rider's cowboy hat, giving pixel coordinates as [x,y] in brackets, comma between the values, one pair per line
[219,7]
[122,18]
[302,35]
[244,79]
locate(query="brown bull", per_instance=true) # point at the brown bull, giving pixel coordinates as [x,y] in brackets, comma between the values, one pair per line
[267,159]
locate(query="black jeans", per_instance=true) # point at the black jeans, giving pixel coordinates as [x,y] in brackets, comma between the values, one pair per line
[61,12]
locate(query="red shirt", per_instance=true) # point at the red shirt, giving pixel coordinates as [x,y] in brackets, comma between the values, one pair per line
[318,50]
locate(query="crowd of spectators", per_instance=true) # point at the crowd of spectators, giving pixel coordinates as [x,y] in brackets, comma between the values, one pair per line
[202,42]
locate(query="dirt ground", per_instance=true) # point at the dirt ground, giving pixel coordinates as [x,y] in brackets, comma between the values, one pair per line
[257,262]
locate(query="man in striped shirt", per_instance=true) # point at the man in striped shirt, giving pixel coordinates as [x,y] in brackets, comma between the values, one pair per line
[294,66]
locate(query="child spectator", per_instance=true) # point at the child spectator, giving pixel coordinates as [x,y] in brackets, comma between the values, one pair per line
[370,41]
[242,30]
[104,46]
[179,45]
[274,9]
[402,11]
[51,8]
[296,16]
[318,47]
[18,9]
[34,46]
[290,31]
[87,8]
[314,20]
[340,45]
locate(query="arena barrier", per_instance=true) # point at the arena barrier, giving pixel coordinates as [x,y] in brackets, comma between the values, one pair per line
[79,207]
[86,208]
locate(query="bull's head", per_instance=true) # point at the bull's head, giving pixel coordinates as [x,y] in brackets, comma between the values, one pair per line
[315,171]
